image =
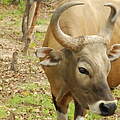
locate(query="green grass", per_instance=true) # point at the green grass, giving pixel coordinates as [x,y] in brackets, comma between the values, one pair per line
[32,45]
[1,17]
[42,21]
[31,86]
[35,105]
[7,2]
[15,12]
[39,36]
[38,105]
[71,111]
[3,113]
[92,116]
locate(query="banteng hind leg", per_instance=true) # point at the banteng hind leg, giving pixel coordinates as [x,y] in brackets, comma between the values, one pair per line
[62,107]
[79,112]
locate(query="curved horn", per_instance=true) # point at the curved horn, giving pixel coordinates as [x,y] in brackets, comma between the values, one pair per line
[106,32]
[64,39]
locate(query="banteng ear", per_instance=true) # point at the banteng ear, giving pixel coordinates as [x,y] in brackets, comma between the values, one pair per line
[114,53]
[50,57]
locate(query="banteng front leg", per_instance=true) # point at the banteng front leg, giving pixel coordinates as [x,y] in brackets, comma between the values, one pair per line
[61,108]
[79,112]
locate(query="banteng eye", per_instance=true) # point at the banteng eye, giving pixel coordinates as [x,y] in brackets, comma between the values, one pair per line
[83,70]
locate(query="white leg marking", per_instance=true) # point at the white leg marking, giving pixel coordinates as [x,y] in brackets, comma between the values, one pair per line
[80,118]
[61,116]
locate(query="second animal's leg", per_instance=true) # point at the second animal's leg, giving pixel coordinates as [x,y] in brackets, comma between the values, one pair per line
[79,112]
[61,108]
[24,20]
[33,14]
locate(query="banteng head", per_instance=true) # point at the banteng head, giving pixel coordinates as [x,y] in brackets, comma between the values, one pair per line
[83,63]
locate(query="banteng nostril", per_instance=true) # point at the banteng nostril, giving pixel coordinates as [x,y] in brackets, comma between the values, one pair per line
[107,109]
[104,109]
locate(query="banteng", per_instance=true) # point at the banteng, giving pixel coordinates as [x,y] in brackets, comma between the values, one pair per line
[76,57]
